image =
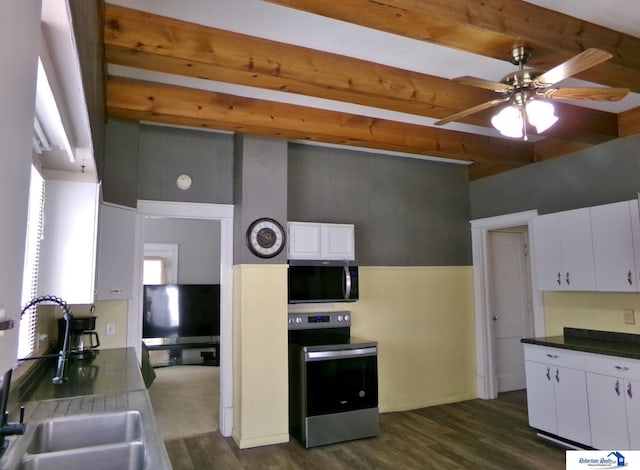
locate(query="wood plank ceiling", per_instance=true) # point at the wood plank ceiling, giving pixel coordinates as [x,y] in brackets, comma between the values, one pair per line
[489,28]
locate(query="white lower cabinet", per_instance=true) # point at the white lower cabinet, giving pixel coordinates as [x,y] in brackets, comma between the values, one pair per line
[557,401]
[591,399]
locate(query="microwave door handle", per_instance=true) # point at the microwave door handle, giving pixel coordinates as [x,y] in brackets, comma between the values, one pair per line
[347,283]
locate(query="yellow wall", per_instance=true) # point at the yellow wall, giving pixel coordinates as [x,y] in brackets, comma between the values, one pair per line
[261,398]
[112,311]
[423,319]
[591,310]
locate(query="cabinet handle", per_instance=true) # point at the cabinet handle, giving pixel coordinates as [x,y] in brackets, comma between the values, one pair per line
[6,324]
[552,356]
[629,391]
[115,291]
[568,281]
[548,374]
[558,375]
[559,279]
[622,368]
[617,387]
[629,278]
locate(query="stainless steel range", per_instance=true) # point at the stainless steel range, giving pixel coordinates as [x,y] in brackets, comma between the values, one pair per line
[333,380]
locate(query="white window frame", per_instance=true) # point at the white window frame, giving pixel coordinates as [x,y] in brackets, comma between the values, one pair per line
[169,253]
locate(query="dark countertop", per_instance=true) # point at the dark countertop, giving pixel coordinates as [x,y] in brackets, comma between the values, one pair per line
[111,371]
[593,341]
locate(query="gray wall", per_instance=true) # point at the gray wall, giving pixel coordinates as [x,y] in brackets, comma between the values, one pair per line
[165,153]
[143,162]
[199,246]
[606,173]
[407,212]
[260,190]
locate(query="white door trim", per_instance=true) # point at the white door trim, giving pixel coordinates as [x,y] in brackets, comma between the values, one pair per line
[486,380]
[186,210]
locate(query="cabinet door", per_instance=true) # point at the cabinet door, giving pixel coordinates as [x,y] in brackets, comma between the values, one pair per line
[613,247]
[116,246]
[304,240]
[577,250]
[632,393]
[541,402]
[607,412]
[68,247]
[548,252]
[572,408]
[338,242]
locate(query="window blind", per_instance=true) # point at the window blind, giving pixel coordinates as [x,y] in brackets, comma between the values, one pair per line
[28,323]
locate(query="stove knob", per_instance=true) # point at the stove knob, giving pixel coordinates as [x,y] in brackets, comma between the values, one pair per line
[346,318]
[298,320]
[340,318]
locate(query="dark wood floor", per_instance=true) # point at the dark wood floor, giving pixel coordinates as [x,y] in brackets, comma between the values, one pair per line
[475,434]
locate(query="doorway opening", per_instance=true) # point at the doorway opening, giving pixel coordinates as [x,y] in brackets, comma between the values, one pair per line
[489,237]
[180,210]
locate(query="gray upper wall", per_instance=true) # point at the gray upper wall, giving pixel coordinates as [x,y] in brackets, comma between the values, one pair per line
[407,212]
[606,173]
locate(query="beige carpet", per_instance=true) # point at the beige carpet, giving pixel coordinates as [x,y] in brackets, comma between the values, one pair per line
[186,400]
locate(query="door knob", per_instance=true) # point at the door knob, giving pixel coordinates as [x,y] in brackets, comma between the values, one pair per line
[495,317]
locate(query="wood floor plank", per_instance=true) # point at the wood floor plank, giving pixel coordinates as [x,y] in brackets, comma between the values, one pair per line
[475,434]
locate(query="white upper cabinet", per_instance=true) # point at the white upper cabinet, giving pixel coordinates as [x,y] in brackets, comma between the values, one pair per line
[116,247]
[68,249]
[613,247]
[564,251]
[308,240]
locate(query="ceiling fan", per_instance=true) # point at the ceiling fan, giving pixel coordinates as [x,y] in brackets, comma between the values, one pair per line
[525,91]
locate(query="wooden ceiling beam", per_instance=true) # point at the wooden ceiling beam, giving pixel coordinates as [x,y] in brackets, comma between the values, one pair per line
[492,28]
[139,100]
[629,122]
[143,40]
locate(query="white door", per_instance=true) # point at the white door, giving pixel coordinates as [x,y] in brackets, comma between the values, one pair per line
[510,306]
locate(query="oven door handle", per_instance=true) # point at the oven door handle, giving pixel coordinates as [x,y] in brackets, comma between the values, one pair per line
[341,354]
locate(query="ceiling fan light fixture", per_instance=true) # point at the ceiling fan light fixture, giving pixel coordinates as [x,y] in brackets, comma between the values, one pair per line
[541,115]
[508,122]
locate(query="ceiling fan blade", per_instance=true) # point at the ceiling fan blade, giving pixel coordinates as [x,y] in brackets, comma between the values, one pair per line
[481,83]
[472,110]
[583,61]
[587,93]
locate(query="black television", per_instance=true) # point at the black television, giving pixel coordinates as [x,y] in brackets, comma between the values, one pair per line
[181,312]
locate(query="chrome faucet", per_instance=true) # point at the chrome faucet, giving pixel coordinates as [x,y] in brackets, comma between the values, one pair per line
[63,355]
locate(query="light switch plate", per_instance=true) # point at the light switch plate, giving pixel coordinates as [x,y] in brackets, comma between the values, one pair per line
[110,329]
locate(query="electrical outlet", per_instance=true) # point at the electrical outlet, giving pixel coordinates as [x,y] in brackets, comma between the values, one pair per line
[629,316]
[110,329]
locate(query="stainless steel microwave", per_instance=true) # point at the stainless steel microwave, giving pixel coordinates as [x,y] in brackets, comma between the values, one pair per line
[322,281]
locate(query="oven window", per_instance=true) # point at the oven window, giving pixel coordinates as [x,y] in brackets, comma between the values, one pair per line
[338,385]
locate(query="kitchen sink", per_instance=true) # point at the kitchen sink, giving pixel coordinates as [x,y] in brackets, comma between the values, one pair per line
[105,441]
[122,456]
[74,432]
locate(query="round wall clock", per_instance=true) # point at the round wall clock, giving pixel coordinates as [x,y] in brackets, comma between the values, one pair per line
[265,237]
